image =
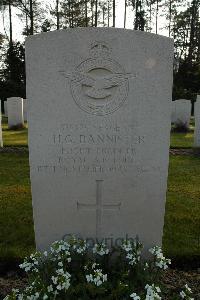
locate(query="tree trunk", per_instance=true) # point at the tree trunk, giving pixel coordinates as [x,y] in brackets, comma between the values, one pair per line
[103,15]
[10,22]
[136,15]
[57,15]
[113,13]
[108,13]
[194,16]
[170,16]
[125,7]
[86,14]
[96,13]
[150,15]
[31,18]
[157,7]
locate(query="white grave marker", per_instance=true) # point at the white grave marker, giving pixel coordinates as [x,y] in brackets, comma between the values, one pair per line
[181,112]
[5,109]
[98,139]
[1,135]
[197,122]
[15,112]
[25,109]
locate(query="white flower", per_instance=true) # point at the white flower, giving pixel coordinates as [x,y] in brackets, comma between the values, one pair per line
[152,292]
[96,277]
[50,288]
[160,261]
[134,296]
[100,249]
[182,294]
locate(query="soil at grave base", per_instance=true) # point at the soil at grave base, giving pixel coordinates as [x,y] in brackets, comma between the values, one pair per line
[17,149]
[173,280]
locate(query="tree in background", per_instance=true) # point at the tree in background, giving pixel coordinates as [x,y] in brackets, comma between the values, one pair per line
[12,81]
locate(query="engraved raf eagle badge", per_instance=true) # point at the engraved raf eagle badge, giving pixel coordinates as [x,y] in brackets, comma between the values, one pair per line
[99,84]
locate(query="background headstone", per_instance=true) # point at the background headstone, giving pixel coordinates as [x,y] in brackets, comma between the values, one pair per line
[99,131]
[5,109]
[181,112]
[173,115]
[25,109]
[1,136]
[197,122]
[15,112]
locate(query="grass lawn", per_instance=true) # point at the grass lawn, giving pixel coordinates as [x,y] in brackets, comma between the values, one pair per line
[182,220]
[182,140]
[14,137]
[16,225]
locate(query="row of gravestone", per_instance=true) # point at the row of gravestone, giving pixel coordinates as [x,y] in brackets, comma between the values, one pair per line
[181,114]
[99,133]
[15,109]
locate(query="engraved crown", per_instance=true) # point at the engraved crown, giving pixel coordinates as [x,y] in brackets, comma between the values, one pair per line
[100,49]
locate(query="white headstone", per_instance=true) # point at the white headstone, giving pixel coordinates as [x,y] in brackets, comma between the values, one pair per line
[181,112]
[5,109]
[1,135]
[15,112]
[197,122]
[25,109]
[173,115]
[99,131]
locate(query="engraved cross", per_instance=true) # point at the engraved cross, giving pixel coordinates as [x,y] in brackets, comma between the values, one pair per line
[99,207]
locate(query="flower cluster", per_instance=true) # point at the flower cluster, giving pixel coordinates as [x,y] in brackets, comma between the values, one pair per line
[132,250]
[60,251]
[160,261]
[31,264]
[134,296]
[186,293]
[152,292]
[69,270]
[61,281]
[78,245]
[100,249]
[96,276]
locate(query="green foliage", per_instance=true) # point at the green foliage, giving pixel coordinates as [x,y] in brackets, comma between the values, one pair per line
[187,81]
[12,80]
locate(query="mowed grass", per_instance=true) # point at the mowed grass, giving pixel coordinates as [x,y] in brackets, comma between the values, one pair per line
[16,222]
[182,219]
[14,137]
[182,140]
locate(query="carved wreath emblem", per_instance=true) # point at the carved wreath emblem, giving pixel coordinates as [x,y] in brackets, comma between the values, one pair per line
[99,84]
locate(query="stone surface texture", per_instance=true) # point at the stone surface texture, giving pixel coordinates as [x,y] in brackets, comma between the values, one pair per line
[99,130]
[15,112]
